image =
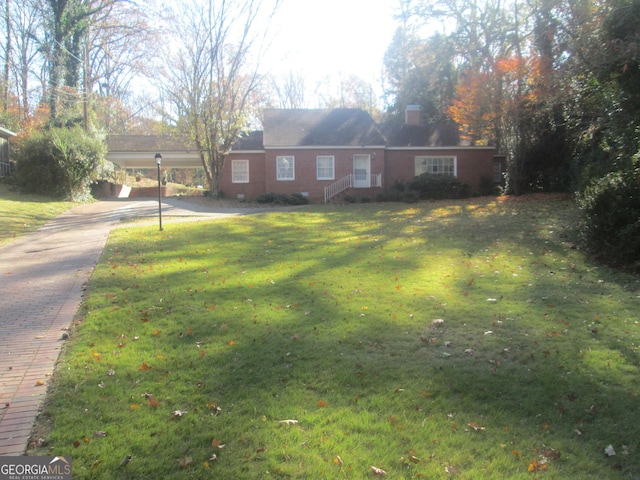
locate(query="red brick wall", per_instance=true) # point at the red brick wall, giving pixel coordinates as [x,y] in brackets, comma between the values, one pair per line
[305,170]
[256,183]
[395,165]
[472,164]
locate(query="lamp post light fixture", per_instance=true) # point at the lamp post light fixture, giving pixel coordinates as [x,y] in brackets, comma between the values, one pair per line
[158,163]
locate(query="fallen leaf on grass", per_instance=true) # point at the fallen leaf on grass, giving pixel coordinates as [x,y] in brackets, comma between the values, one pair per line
[438,322]
[215,443]
[184,462]
[322,403]
[476,427]
[378,471]
[288,422]
[451,470]
[551,454]
[535,466]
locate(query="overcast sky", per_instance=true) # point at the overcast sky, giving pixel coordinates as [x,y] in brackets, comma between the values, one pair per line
[331,37]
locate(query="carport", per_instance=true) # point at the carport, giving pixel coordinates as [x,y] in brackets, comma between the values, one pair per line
[138,151]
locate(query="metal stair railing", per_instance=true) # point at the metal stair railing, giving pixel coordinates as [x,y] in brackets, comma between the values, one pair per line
[337,187]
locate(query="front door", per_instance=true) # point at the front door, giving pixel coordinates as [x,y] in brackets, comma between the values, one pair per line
[362,171]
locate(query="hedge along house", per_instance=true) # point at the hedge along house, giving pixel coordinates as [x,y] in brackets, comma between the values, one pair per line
[325,153]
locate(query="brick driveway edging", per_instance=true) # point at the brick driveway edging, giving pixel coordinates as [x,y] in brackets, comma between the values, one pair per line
[43,276]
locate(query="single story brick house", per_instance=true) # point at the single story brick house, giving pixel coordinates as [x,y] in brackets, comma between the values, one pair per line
[322,153]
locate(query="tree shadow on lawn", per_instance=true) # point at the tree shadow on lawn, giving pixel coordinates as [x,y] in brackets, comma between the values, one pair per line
[522,367]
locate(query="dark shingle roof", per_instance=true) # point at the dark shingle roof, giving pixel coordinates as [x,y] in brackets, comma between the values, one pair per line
[434,135]
[149,143]
[249,141]
[318,127]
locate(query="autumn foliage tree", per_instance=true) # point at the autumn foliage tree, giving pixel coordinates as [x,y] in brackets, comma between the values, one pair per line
[210,81]
[501,107]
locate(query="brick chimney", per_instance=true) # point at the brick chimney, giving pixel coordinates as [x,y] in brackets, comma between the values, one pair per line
[412,115]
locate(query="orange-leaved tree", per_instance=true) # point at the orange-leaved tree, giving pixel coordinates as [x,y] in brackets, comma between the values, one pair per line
[498,107]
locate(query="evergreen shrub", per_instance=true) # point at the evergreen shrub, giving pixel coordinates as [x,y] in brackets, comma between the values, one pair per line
[59,162]
[611,217]
[430,186]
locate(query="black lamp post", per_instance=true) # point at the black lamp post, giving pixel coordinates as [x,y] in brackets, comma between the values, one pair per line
[158,163]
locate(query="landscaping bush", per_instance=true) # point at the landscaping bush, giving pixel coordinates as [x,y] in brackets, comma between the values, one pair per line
[61,162]
[436,187]
[611,217]
[487,186]
[282,199]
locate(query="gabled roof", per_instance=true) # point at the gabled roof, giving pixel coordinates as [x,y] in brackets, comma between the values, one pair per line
[433,135]
[249,141]
[150,143]
[339,127]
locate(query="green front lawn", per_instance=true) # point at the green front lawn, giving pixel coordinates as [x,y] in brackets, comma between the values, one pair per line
[465,339]
[21,213]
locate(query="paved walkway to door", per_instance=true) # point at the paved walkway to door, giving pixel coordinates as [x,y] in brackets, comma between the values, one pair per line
[42,278]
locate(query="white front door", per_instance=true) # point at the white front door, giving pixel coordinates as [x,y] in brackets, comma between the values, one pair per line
[362,171]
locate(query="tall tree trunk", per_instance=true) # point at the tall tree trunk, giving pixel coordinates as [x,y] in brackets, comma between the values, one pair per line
[7,59]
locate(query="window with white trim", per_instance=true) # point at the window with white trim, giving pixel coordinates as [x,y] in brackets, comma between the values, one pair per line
[437,165]
[240,171]
[285,168]
[325,167]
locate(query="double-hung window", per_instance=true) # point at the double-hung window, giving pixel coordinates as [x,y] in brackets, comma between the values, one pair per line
[325,167]
[285,168]
[240,171]
[437,165]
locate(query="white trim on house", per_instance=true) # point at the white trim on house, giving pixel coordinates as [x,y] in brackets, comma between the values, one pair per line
[322,147]
[7,133]
[326,158]
[438,148]
[240,171]
[147,159]
[436,165]
[282,172]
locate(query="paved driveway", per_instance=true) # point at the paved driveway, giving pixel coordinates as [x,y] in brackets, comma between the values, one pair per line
[42,280]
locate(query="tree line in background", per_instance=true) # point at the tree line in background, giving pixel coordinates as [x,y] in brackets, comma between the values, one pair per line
[551,83]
